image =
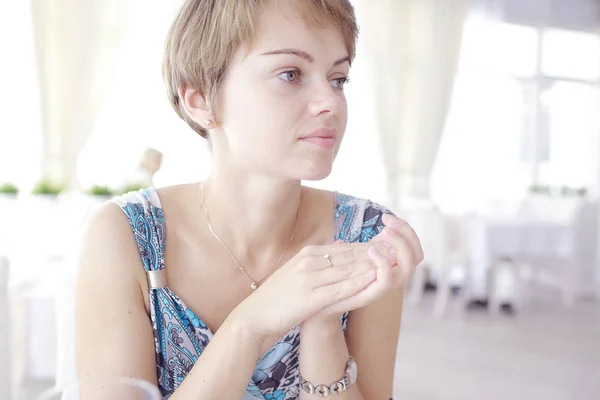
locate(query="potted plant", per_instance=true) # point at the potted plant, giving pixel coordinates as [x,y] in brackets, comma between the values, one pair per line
[582,192]
[100,191]
[9,190]
[48,189]
[540,190]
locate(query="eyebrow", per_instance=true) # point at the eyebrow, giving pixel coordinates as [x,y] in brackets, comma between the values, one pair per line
[304,55]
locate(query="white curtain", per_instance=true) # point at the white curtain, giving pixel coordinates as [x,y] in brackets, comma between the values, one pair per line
[412,55]
[136,113]
[20,119]
[76,45]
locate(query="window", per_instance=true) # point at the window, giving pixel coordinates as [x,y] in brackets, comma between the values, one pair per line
[573,55]
[572,128]
[524,110]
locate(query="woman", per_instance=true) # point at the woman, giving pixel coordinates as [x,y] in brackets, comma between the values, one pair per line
[240,286]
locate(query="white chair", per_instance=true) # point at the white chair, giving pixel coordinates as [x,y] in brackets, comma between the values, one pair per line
[424,217]
[455,256]
[443,239]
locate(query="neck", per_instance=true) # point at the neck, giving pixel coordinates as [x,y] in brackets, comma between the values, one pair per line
[253,216]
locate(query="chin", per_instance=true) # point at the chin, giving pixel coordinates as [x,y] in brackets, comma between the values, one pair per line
[305,168]
[316,172]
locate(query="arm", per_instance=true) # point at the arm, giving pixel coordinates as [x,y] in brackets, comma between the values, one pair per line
[373,329]
[323,356]
[114,335]
[371,338]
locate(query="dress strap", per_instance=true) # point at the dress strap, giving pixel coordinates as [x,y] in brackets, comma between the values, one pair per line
[157,279]
[146,219]
[358,220]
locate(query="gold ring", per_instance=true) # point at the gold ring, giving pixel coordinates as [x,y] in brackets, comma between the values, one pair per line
[328,258]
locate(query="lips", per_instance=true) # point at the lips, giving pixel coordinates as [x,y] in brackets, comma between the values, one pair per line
[322,137]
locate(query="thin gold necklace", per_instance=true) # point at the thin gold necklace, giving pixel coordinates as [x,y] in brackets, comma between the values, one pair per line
[254,282]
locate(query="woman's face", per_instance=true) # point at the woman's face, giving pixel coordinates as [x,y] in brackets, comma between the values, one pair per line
[282,107]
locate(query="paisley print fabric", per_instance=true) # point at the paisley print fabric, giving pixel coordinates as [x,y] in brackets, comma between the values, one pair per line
[180,335]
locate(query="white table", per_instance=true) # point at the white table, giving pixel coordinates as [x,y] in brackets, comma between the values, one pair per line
[493,239]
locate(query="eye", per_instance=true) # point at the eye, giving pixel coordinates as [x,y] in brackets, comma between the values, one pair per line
[291,76]
[339,83]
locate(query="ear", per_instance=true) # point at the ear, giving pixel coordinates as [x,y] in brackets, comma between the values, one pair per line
[197,107]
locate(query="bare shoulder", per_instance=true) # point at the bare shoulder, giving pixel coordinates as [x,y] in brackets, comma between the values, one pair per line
[108,242]
[109,294]
[109,253]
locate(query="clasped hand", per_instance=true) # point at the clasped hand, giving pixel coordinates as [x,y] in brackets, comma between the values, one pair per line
[323,281]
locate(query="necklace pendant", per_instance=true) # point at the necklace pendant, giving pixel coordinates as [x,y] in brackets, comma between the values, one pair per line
[254,286]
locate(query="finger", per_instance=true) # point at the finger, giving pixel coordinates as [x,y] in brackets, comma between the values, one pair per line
[388,219]
[383,283]
[404,253]
[336,292]
[361,299]
[342,254]
[404,229]
[413,240]
[372,292]
[384,267]
[338,273]
[334,248]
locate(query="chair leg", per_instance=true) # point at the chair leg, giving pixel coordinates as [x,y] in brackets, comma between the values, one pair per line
[567,286]
[492,285]
[501,273]
[442,293]
[417,285]
[520,269]
[466,291]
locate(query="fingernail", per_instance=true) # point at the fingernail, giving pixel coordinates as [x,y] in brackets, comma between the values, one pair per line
[397,222]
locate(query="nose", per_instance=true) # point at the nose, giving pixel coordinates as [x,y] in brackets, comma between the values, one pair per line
[324,99]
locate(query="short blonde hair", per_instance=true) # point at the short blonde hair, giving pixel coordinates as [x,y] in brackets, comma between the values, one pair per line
[206,34]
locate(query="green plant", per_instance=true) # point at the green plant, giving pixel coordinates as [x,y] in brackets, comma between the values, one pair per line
[132,187]
[582,192]
[540,189]
[9,188]
[98,190]
[48,187]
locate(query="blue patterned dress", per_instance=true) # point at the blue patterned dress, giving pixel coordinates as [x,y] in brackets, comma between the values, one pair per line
[180,335]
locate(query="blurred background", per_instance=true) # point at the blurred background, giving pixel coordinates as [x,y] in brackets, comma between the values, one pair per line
[476,120]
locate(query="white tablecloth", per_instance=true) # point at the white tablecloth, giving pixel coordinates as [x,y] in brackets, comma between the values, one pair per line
[494,239]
